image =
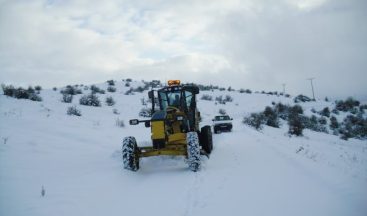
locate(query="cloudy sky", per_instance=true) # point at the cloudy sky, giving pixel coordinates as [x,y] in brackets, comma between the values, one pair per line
[256,44]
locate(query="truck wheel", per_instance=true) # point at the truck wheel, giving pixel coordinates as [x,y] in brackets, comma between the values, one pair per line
[193,151]
[206,140]
[130,154]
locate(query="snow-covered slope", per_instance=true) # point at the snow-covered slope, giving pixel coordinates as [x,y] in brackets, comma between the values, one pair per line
[78,162]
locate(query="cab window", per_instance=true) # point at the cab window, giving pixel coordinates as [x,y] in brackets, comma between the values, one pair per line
[188,98]
[174,99]
[163,100]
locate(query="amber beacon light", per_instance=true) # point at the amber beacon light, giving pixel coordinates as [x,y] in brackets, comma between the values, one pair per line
[174,82]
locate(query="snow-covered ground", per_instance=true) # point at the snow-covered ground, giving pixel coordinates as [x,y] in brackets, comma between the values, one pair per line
[78,162]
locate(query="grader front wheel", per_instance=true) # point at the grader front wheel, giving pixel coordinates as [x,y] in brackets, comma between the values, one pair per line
[193,151]
[130,154]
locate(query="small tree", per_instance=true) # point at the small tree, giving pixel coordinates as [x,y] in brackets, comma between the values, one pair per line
[302,98]
[96,89]
[220,99]
[247,91]
[325,112]
[271,117]
[129,92]
[222,111]
[322,120]
[282,110]
[295,125]
[314,123]
[38,88]
[255,120]
[110,101]
[111,82]
[115,111]
[90,100]
[296,109]
[228,98]
[73,111]
[21,93]
[8,90]
[34,97]
[206,97]
[31,90]
[67,98]
[72,90]
[139,89]
[111,89]
[334,124]
[335,111]
[354,126]
[120,123]
[346,105]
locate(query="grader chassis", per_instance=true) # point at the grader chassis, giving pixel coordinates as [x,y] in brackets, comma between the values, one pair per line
[174,128]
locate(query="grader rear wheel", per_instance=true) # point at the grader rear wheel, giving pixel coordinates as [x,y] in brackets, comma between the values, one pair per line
[206,139]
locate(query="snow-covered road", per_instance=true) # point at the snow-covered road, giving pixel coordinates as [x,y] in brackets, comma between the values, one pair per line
[247,174]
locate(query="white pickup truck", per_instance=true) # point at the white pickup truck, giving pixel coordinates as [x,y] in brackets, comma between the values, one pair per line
[222,123]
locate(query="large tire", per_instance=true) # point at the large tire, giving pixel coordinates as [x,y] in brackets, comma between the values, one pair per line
[206,139]
[193,151]
[130,154]
[216,130]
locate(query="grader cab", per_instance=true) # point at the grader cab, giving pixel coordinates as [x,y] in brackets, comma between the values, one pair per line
[174,128]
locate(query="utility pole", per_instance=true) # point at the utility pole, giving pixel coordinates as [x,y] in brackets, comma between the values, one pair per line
[313,93]
[283,88]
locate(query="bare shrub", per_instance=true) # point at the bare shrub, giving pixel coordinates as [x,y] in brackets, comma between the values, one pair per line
[90,100]
[255,120]
[222,111]
[120,123]
[67,98]
[73,111]
[206,97]
[110,101]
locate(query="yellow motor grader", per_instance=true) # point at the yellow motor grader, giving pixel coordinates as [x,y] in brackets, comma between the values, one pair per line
[174,128]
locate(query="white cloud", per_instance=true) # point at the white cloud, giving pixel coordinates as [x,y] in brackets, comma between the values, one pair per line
[252,44]
[306,4]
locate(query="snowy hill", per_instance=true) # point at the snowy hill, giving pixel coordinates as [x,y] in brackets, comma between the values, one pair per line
[77,160]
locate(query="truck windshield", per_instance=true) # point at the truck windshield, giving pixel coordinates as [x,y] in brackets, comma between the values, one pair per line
[221,118]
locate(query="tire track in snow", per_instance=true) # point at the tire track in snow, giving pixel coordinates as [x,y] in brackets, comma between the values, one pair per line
[192,196]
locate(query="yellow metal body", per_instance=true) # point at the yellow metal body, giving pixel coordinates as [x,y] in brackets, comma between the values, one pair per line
[158,131]
[175,140]
[172,149]
[176,145]
[168,132]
